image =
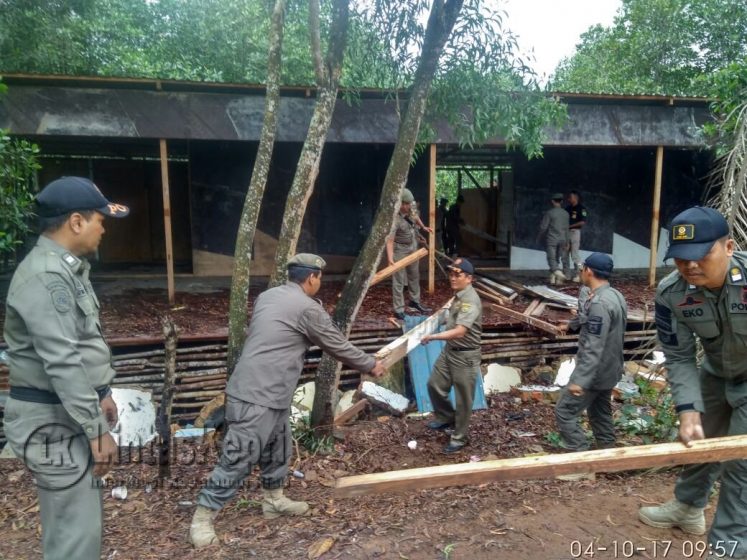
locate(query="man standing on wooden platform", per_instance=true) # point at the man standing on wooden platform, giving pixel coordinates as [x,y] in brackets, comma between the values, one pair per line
[602,315]
[60,409]
[706,297]
[286,320]
[554,228]
[403,242]
[459,364]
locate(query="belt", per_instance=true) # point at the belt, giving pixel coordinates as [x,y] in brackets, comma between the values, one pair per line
[463,349]
[32,394]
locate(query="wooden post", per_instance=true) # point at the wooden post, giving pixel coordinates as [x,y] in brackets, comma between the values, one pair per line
[432,221]
[655,217]
[163,420]
[167,220]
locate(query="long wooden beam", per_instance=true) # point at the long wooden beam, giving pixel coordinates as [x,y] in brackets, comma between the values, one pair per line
[655,216]
[167,220]
[400,347]
[432,219]
[385,273]
[545,466]
[529,320]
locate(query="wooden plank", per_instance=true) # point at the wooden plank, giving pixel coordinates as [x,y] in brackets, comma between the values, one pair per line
[167,220]
[432,220]
[531,307]
[400,264]
[531,321]
[491,296]
[400,347]
[545,466]
[539,309]
[655,216]
[351,412]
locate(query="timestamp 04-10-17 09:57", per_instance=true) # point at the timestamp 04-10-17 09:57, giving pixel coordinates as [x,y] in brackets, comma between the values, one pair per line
[652,548]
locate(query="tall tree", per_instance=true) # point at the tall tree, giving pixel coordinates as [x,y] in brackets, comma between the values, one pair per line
[441,21]
[327,72]
[669,47]
[237,312]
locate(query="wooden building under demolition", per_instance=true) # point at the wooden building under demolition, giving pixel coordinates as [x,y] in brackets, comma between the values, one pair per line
[120,132]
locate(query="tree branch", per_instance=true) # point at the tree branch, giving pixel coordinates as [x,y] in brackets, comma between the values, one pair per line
[316,43]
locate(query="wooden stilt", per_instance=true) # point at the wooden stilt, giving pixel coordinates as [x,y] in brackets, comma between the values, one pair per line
[167,221]
[655,217]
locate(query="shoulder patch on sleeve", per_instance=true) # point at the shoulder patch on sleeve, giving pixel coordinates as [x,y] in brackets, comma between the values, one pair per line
[62,299]
[594,324]
[664,326]
[465,307]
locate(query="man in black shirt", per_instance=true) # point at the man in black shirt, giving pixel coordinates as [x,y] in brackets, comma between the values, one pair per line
[578,216]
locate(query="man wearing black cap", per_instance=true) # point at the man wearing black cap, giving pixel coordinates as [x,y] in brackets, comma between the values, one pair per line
[706,297]
[286,321]
[60,410]
[459,364]
[602,314]
[554,228]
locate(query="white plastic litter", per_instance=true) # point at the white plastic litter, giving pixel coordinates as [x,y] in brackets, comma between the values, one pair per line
[500,379]
[119,492]
[564,372]
[412,444]
[137,417]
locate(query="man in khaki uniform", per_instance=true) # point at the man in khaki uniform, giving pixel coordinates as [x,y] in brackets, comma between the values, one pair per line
[706,298]
[286,321]
[403,242]
[459,364]
[60,408]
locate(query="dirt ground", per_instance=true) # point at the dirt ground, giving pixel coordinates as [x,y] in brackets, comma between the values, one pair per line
[519,520]
[135,312]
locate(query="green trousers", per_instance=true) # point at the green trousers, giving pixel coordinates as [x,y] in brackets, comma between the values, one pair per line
[725,415]
[409,275]
[57,452]
[256,435]
[458,370]
[597,405]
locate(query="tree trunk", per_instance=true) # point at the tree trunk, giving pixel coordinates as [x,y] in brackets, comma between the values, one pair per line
[328,80]
[440,24]
[163,421]
[237,311]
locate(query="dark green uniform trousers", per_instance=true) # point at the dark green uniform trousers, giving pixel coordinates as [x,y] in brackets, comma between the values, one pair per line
[57,452]
[568,412]
[256,435]
[725,405]
[458,370]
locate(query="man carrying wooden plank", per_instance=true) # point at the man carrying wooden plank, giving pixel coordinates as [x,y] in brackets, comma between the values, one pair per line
[286,321]
[706,297]
[459,364]
[400,244]
[601,319]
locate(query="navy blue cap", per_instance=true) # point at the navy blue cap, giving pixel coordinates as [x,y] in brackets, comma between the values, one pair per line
[600,263]
[464,265]
[70,194]
[693,233]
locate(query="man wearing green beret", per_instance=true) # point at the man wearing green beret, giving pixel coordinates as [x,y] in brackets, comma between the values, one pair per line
[286,321]
[403,242]
[60,410]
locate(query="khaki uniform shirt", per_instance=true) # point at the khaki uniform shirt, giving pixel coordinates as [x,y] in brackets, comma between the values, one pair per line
[555,224]
[602,318]
[466,310]
[718,319]
[404,233]
[285,323]
[54,335]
